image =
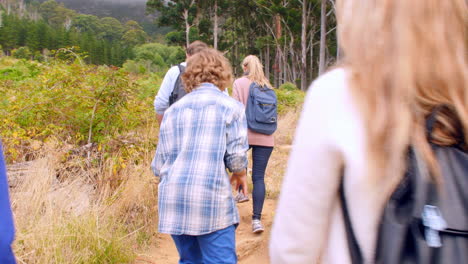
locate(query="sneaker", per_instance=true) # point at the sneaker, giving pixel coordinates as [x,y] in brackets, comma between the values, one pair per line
[257,226]
[241,198]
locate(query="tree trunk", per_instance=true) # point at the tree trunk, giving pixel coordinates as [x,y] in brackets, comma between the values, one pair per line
[187,27]
[277,67]
[323,32]
[267,62]
[304,46]
[311,65]
[215,29]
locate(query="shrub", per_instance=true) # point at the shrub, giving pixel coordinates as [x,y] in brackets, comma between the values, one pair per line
[22,53]
[76,104]
[288,86]
[159,56]
[288,99]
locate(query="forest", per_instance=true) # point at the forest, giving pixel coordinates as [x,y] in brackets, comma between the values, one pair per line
[78,126]
[295,39]
[30,29]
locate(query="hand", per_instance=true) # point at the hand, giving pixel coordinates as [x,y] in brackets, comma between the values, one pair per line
[240,180]
[159,118]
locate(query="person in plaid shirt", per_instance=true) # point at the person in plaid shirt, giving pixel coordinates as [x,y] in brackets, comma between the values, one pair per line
[200,136]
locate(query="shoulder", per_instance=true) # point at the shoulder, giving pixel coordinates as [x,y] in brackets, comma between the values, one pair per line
[174,70]
[330,91]
[242,82]
[234,107]
[330,105]
[231,103]
[330,84]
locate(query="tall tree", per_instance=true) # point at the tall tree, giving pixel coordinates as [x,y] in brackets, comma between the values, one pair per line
[323,35]
[306,6]
[175,11]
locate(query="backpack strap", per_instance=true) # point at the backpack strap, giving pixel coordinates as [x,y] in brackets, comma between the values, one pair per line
[175,90]
[354,249]
[181,68]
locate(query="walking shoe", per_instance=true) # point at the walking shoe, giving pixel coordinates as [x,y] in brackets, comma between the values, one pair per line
[241,198]
[257,226]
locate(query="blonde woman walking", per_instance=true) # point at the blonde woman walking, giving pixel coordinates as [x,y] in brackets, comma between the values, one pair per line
[261,144]
[402,59]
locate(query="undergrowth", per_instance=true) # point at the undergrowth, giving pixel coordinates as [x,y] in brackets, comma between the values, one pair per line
[90,133]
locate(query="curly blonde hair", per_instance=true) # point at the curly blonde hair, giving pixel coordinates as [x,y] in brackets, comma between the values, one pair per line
[207,66]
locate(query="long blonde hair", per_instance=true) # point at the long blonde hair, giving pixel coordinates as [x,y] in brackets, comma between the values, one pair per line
[254,70]
[404,58]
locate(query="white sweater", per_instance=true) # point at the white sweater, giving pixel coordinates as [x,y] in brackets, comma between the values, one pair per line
[308,226]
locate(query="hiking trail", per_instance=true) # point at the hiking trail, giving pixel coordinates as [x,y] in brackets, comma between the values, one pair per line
[251,248]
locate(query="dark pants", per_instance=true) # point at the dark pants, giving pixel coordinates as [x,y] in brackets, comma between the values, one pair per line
[260,157]
[213,248]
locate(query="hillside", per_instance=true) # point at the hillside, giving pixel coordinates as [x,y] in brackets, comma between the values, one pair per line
[79,140]
[123,10]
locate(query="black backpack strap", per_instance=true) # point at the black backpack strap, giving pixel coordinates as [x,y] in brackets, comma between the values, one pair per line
[175,90]
[354,250]
[181,68]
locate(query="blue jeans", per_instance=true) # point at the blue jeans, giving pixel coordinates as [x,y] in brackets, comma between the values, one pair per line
[260,157]
[217,247]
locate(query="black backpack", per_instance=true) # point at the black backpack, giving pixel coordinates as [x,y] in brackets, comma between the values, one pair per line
[422,222]
[179,89]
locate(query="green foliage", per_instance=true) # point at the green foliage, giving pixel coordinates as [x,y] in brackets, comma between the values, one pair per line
[71,102]
[288,99]
[156,57]
[135,67]
[18,71]
[106,40]
[288,86]
[22,53]
[54,13]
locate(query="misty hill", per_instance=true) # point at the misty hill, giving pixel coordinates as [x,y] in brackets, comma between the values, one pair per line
[123,10]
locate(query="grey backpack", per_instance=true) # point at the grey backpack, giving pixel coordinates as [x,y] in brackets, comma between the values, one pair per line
[179,89]
[423,222]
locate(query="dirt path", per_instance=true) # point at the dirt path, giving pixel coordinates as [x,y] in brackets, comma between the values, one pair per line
[251,248]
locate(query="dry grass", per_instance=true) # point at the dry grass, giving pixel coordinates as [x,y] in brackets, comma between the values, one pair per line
[71,208]
[279,158]
[69,212]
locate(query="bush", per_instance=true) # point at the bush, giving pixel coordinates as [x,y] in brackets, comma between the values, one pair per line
[288,86]
[288,99]
[135,67]
[69,102]
[22,53]
[158,57]
[19,70]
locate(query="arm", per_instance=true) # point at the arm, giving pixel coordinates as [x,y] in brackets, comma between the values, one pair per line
[236,92]
[309,188]
[235,158]
[161,101]
[161,150]
[7,231]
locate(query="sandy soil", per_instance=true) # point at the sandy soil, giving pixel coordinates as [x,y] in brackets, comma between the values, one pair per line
[251,248]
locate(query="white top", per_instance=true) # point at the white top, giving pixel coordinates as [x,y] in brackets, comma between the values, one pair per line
[161,101]
[308,226]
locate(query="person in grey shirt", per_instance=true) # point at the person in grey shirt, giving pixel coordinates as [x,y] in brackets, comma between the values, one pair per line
[161,102]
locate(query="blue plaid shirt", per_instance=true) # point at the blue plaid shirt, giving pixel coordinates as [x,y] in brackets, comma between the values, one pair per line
[201,135]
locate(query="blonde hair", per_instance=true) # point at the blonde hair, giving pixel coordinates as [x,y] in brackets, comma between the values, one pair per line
[405,58]
[210,66]
[254,70]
